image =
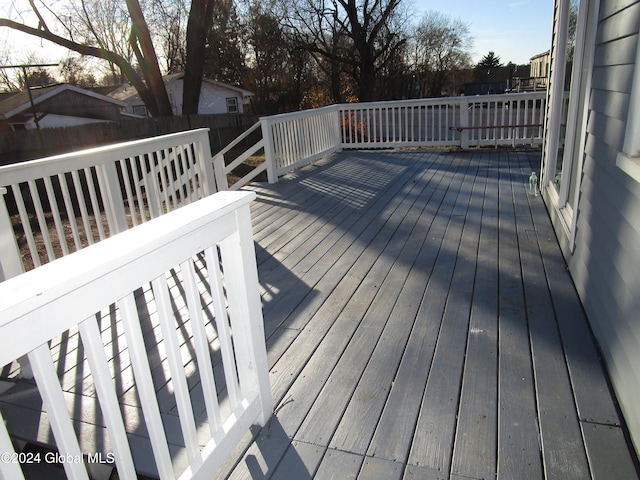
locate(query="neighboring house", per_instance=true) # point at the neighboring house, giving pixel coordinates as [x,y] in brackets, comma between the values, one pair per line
[52,106]
[538,74]
[540,69]
[215,97]
[497,80]
[591,176]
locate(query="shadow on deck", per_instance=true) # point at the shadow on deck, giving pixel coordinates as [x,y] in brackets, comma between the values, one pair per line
[421,323]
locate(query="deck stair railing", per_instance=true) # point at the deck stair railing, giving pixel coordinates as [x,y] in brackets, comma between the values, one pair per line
[209,239]
[294,139]
[223,169]
[69,201]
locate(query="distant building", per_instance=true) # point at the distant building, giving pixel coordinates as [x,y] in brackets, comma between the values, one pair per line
[215,97]
[496,80]
[538,78]
[60,105]
[540,68]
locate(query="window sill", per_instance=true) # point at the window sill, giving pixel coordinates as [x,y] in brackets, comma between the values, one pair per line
[629,165]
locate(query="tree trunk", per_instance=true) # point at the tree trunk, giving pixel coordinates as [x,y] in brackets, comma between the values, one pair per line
[199,23]
[147,59]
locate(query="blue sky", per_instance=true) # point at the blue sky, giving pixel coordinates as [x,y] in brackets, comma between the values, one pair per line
[515,30]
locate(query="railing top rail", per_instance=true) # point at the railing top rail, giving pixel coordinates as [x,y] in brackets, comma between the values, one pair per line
[34,169]
[300,114]
[108,270]
[408,102]
[445,100]
[241,137]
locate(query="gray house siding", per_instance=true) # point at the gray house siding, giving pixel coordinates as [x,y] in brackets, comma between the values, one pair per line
[604,262]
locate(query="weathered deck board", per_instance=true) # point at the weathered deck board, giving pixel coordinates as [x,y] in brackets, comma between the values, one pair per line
[518,441]
[474,453]
[346,376]
[415,355]
[557,417]
[597,413]
[420,324]
[433,439]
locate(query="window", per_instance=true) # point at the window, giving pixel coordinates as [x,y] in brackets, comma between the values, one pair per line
[140,110]
[232,105]
[629,159]
[574,42]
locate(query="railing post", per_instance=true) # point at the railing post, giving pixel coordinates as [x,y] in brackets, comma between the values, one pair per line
[219,171]
[464,123]
[247,323]
[10,260]
[272,172]
[112,197]
[337,131]
[10,263]
[203,154]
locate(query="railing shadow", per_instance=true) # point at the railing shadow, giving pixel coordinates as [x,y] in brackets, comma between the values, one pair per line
[275,455]
[23,407]
[346,203]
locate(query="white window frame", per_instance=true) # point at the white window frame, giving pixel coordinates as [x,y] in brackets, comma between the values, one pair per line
[140,110]
[232,105]
[628,160]
[575,133]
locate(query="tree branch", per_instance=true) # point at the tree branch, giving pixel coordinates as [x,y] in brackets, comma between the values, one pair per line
[109,56]
[41,22]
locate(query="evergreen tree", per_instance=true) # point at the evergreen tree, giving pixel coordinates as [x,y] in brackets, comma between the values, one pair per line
[485,66]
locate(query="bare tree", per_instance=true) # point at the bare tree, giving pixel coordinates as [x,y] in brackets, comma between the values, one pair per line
[358,35]
[101,39]
[441,47]
[271,63]
[168,21]
[74,72]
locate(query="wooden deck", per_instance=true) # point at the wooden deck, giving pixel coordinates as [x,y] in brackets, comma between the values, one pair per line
[421,323]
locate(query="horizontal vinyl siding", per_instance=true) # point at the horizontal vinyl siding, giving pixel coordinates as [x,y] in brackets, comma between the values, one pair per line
[605,264]
[621,274]
[616,53]
[609,104]
[610,130]
[617,23]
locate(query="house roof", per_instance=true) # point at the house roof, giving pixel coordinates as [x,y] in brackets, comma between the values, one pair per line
[179,76]
[543,54]
[19,102]
[126,92]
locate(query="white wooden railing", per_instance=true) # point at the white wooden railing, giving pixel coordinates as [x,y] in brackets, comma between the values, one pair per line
[212,237]
[222,169]
[507,119]
[294,139]
[89,195]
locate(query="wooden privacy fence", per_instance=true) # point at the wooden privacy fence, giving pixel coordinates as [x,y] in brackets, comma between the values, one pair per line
[206,243]
[25,145]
